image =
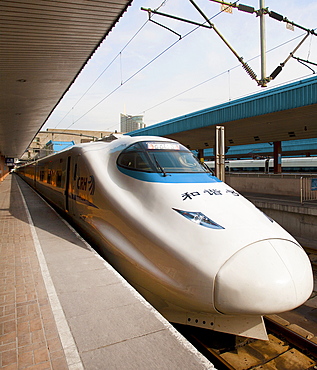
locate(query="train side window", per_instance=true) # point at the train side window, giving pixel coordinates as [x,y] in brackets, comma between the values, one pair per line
[49,177]
[59,179]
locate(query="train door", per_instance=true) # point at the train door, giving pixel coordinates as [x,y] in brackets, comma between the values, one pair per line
[67,190]
[267,165]
[34,175]
[70,184]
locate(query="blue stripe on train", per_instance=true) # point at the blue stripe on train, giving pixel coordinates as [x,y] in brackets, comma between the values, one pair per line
[170,178]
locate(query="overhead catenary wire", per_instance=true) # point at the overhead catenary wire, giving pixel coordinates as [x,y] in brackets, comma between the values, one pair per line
[123,82]
[183,92]
[142,68]
[219,75]
[118,55]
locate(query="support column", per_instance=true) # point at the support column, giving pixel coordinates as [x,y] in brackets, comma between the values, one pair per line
[2,166]
[201,155]
[277,157]
[263,43]
[220,153]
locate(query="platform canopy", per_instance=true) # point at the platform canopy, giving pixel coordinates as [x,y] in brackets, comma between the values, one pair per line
[287,112]
[44,44]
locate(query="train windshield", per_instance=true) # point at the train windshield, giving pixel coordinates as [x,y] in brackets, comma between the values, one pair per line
[160,156]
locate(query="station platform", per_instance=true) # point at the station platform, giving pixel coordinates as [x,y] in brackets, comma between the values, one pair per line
[299,219]
[63,307]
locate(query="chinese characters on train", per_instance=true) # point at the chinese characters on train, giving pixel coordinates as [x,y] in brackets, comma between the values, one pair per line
[191,195]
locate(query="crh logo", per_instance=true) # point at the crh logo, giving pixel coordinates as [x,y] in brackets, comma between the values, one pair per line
[91,185]
[85,183]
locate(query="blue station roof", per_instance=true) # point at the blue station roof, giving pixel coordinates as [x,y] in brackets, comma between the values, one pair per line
[282,113]
[57,146]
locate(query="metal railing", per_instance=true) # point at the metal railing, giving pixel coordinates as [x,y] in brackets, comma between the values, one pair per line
[308,189]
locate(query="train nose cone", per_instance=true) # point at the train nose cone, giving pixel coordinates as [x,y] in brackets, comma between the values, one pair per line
[266,277]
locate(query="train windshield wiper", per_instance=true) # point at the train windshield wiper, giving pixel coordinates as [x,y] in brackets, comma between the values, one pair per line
[206,167]
[159,166]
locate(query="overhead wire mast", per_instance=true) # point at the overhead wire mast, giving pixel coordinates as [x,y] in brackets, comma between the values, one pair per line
[248,9]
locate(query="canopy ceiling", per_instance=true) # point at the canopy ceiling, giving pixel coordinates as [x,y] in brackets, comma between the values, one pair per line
[44,44]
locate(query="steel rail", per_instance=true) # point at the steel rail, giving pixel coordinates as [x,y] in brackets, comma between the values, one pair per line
[313,252]
[292,337]
[212,355]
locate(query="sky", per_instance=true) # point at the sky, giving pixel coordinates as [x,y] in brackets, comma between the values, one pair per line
[144,69]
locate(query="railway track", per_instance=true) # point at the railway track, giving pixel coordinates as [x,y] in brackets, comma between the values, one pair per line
[312,254]
[285,349]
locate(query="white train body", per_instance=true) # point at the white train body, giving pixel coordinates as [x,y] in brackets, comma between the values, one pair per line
[196,249]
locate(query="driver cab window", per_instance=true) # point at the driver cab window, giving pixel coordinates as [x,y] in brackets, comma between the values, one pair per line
[134,159]
[164,157]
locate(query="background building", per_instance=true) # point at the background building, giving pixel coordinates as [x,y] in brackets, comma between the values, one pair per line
[53,140]
[131,123]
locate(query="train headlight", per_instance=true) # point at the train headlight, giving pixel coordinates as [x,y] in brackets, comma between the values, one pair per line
[199,218]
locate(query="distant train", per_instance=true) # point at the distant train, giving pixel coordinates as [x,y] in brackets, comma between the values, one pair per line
[197,250]
[289,165]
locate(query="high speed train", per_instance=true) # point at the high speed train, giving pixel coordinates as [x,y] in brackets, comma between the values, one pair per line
[196,249]
[289,165]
